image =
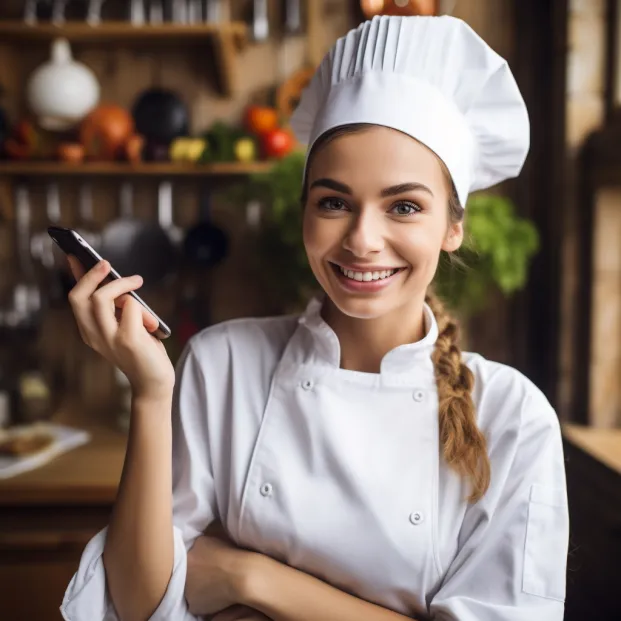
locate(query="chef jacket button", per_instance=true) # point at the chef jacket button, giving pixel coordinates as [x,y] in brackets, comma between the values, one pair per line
[266,489]
[416,518]
[307,384]
[418,395]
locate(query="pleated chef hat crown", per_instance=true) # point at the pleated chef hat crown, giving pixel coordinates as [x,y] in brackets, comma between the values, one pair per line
[433,78]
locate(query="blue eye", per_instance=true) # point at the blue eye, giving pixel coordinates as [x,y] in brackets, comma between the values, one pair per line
[406,208]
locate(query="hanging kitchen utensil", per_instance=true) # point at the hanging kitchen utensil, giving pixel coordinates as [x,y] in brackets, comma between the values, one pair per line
[260,20]
[156,12]
[51,257]
[93,14]
[41,249]
[86,228]
[26,302]
[195,11]
[137,13]
[179,12]
[32,12]
[291,85]
[58,12]
[205,244]
[165,213]
[136,247]
[213,13]
[293,16]
[253,214]
[86,222]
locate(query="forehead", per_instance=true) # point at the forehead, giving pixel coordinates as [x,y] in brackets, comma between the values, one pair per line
[378,156]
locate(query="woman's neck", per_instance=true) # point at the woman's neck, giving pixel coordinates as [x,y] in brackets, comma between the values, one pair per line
[365,342]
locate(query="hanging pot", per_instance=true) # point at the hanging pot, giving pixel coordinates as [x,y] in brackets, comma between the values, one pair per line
[205,244]
[62,91]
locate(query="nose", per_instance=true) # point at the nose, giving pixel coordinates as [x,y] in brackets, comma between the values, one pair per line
[364,235]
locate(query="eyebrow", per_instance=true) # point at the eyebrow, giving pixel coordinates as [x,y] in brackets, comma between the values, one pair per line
[394,190]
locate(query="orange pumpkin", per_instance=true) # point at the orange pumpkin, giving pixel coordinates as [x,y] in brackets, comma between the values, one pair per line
[105,131]
[370,8]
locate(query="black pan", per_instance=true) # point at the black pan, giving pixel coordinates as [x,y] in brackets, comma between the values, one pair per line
[133,246]
[205,244]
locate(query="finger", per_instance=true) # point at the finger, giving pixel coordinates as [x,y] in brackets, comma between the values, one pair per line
[131,318]
[148,320]
[89,282]
[77,269]
[80,302]
[103,303]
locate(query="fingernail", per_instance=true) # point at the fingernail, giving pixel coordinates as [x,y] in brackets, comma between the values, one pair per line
[137,278]
[103,264]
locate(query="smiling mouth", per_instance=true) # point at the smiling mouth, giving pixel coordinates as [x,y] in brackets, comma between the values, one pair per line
[367,276]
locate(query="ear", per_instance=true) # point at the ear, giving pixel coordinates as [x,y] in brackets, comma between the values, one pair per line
[454,237]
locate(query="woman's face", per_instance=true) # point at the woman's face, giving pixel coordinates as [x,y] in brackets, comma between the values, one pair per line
[377,208]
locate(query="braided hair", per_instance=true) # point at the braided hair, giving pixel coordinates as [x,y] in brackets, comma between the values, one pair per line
[463,444]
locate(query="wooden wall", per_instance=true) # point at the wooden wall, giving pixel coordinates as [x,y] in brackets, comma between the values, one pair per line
[584,114]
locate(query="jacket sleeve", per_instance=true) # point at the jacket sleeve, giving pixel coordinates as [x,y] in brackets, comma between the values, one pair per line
[194,508]
[512,552]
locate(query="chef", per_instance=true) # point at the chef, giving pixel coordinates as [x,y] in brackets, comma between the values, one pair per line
[350,463]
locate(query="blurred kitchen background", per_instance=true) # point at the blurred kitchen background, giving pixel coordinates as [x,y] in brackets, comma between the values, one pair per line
[159,129]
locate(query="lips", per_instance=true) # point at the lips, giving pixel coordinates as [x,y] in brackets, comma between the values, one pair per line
[370,281]
[360,267]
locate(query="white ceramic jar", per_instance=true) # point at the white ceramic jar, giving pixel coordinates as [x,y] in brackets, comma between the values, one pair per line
[62,91]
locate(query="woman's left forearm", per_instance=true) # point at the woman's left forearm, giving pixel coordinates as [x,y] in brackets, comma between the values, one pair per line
[283,593]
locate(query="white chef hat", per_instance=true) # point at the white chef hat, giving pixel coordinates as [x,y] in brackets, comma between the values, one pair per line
[432,78]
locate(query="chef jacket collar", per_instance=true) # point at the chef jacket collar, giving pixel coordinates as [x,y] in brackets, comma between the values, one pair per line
[401,359]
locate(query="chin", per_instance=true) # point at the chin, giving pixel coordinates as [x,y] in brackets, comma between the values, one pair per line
[362,305]
[361,308]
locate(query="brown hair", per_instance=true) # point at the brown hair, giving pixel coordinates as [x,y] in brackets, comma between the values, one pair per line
[464,445]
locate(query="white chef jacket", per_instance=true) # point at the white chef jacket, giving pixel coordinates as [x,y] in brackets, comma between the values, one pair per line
[339,473]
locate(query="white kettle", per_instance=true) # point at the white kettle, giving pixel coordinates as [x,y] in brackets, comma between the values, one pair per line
[62,91]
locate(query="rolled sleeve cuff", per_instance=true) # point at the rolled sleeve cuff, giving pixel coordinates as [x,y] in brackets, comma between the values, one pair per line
[87,598]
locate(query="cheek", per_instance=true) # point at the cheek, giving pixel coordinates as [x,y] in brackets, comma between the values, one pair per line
[319,236]
[420,246]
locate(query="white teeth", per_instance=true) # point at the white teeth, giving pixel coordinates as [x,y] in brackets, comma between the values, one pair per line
[367,276]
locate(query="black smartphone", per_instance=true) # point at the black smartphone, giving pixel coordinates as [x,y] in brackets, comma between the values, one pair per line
[70,242]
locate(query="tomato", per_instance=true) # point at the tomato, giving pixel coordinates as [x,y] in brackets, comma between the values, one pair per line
[277,143]
[260,119]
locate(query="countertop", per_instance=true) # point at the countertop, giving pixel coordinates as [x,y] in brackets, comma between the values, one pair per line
[602,444]
[87,474]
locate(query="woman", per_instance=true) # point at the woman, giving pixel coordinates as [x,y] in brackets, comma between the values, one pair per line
[350,463]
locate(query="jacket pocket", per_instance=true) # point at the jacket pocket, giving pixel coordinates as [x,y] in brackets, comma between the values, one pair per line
[545,550]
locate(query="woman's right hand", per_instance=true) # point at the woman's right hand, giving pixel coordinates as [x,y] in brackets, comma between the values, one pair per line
[126,343]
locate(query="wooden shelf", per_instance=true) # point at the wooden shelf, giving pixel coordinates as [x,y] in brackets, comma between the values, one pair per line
[162,169]
[226,38]
[118,31]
